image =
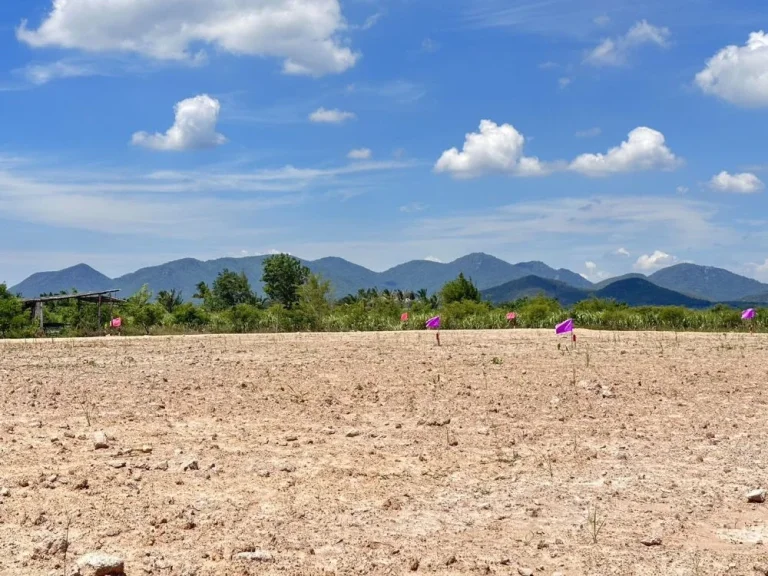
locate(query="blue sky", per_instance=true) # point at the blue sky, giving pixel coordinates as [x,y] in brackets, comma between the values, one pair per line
[602,136]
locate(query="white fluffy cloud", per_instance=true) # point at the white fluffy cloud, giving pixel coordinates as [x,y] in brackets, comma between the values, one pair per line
[744,183]
[360,154]
[494,149]
[594,274]
[644,149]
[739,74]
[194,128]
[323,116]
[622,252]
[304,33]
[498,149]
[655,261]
[615,51]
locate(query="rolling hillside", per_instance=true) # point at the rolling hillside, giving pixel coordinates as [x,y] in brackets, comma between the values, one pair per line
[532,286]
[630,291]
[641,292]
[707,282]
[82,277]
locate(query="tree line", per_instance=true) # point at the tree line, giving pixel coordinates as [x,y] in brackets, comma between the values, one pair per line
[297,300]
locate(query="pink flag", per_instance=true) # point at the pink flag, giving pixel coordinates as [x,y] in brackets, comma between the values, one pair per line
[404,317]
[511,316]
[748,314]
[117,322]
[564,327]
[434,323]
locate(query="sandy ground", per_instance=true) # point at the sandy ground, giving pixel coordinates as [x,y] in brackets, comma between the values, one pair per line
[384,454]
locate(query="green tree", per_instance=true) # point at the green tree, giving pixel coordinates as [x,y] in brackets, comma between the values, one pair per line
[459,290]
[187,314]
[13,321]
[204,293]
[230,289]
[142,311]
[283,275]
[169,300]
[244,317]
[315,300]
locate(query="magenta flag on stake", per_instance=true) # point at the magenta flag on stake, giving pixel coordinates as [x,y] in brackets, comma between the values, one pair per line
[434,323]
[117,322]
[511,316]
[748,314]
[564,327]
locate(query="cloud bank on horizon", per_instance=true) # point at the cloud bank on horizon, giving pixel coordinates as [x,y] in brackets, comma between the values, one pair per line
[583,138]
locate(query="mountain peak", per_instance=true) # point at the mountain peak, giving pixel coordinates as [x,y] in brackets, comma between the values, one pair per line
[707,282]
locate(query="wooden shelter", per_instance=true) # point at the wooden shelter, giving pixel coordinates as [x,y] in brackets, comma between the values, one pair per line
[38,304]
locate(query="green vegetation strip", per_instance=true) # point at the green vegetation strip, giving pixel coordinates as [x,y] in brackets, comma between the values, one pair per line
[299,301]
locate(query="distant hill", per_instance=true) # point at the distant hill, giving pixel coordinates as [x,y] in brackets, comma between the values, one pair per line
[609,281]
[486,271]
[641,292]
[706,282]
[532,286]
[82,277]
[630,291]
[756,298]
[543,271]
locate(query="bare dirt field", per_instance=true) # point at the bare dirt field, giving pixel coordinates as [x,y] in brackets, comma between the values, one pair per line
[496,453]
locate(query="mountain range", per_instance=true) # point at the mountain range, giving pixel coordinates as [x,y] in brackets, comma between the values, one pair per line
[683,284]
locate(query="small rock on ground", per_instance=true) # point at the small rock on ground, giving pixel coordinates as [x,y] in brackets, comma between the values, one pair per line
[100,440]
[191,465]
[756,496]
[255,556]
[353,433]
[654,541]
[5,492]
[525,571]
[99,564]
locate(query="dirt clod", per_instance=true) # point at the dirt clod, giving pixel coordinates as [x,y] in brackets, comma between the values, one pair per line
[756,496]
[100,441]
